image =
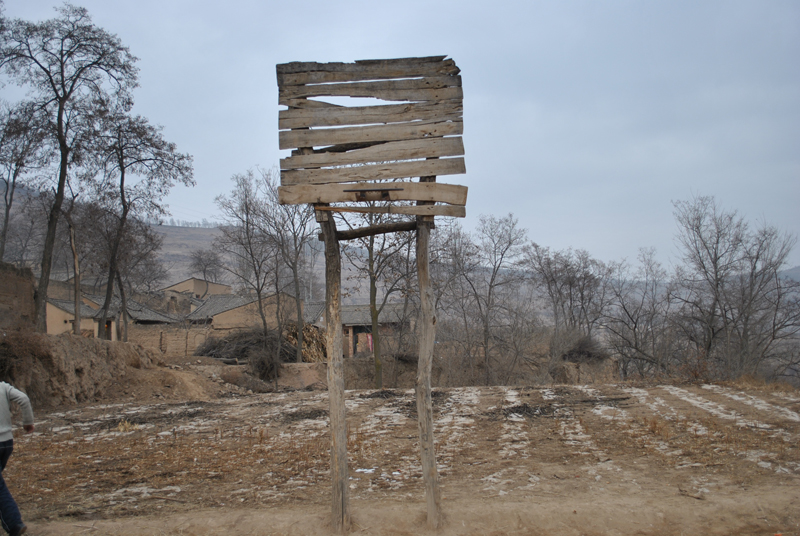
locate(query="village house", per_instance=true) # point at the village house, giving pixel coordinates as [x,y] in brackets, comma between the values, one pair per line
[235,311]
[61,318]
[357,324]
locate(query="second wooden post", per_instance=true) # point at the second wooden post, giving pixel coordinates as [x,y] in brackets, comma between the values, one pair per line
[340,509]
[427,336]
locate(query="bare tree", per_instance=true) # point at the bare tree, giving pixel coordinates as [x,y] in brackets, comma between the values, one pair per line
[25,232]
[139,168]
[374,256]
[638,320]
[249,251]
[68,63]
[478,288]
[68,214]
[499,244]
[22,136]
[735,311]
[208,264]
[577,288]
[292,227]
[454,254]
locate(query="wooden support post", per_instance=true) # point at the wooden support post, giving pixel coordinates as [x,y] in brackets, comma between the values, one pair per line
[340,512]
[427,335]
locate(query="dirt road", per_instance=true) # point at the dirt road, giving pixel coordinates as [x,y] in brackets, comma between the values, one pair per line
[614,459]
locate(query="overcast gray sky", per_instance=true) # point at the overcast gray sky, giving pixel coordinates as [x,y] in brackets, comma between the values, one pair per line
[584,119]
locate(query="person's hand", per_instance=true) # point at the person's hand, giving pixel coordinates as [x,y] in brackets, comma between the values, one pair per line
[28,428]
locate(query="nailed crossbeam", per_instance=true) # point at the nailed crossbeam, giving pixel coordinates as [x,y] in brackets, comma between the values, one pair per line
[373,230]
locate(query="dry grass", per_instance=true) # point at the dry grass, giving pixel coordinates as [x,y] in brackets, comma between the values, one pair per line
[754,382]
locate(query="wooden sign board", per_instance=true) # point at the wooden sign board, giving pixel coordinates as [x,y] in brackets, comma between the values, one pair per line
[356,154]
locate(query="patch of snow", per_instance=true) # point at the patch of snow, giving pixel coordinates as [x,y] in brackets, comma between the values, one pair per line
[718,410]
[755,402]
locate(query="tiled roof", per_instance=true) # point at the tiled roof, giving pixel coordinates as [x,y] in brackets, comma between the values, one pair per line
[69,306]
[354,315]
[136,311]
[359,315]
[219,303]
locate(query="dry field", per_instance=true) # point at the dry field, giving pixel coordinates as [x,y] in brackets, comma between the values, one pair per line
[613,459]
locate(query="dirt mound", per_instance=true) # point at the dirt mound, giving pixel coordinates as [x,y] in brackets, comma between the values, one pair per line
[64,369]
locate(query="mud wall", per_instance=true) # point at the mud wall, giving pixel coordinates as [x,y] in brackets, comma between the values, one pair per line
[16,298]
[169,341]
[57,370]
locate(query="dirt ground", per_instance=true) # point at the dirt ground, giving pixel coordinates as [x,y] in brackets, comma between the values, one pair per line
[177,451]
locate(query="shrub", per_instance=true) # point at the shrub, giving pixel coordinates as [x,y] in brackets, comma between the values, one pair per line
[253,348]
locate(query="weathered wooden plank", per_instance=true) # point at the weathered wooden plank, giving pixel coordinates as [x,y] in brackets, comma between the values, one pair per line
[427,335]
[454,211]
[374,172]
[384,152]
[396,61]
[369,89]
[452,194]
[302,66]
[340,508]
[298,73]
[291,139]
[446,93]
[447,68]
[332,116]
[306,104]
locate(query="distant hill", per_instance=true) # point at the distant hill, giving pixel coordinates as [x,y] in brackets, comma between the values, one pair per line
[792,273]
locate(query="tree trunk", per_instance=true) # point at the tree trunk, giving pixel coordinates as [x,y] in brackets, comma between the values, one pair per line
[427,336]
[40,297]
[11,185]
[298,303]
[124,311]
[373,310]
[278,319]
[76,287]
[112,264]
[340,513]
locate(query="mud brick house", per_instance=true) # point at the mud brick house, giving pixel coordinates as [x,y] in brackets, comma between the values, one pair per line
[232,312]
[215,316]
[61,318]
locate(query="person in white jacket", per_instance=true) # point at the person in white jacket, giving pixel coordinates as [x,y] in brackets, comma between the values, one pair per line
[10,517]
